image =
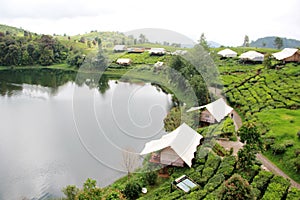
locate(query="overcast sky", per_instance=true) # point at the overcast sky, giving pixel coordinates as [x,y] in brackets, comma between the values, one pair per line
[225,22]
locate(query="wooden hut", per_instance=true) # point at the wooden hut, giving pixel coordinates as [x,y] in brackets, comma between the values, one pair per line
[288,55]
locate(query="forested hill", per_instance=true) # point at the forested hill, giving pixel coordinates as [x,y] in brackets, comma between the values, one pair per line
[9,30]
[269,42]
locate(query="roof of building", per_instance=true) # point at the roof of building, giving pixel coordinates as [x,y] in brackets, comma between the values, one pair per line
[218,109]
[285,53]
[119,47]
[227,53]
[252,55]
[183,140]
[123,60]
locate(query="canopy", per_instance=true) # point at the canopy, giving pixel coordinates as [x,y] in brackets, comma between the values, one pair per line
[285,53]
[183,140]
[252,56]
[227,53]
[218,109]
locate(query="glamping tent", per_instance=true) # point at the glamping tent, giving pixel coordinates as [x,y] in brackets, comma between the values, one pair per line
[157,51]
[119,48]
[252,56]
[124,61]
[176,148]
[215,111]
[227,53]
[288,55]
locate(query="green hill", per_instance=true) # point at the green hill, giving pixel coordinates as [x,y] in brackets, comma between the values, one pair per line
[268,42]
[12,30]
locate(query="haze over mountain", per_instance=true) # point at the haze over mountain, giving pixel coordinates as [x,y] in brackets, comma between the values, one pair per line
[162,35]
[268,42]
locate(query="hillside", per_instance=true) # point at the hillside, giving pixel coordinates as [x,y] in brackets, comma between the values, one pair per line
[12,30]
[268,42]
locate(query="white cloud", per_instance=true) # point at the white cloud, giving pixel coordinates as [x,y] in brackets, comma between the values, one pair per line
[226,22]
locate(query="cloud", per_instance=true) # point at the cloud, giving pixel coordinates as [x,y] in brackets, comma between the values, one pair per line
[51,9]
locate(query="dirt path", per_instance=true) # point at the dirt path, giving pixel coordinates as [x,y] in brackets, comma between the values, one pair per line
[238,145]
[271,167]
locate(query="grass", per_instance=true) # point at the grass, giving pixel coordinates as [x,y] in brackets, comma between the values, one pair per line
[283,124]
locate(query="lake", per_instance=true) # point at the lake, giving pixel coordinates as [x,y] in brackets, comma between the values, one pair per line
[57,130]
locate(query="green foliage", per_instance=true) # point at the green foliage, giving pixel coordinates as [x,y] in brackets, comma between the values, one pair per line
[250,135]
[70,191]
[132,189]
[278,148]
[277,188]
[90,191]
[246,158]
[297,164]
[294,194]
[150,178]
[214,182]
[236,188]
[267,63]
[278,42]
[260,182]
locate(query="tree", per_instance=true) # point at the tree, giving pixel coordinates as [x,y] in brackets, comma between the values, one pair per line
[70,191]
[203,42]
[89,191]
[278,42]
[250,135]
[246,41]
[268,61]
[130,160]
[236,188]
[246,158]
[132,190]
[142,39]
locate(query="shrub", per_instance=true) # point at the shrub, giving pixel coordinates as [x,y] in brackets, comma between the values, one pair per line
[298,134]
[236,188]
[278,148]
[260,182]
[150,178]
[277,188]
[288,143]
[132,190]
[297,152]
[297,164]
[294,194]
[206,174]
[70,191]
[214,182]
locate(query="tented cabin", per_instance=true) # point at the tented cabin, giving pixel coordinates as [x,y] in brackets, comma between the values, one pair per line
[136,50]
[227,53]
[176,148]
[213,112]
[124,61]
[157,51]
[288,55]
[252,56]
[119,48]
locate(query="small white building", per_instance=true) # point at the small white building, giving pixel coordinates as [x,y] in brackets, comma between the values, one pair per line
[252,56]
[227,53]
[124,61]
[214,111]
[288,55]
[119,48]
[175,148]
[157,51]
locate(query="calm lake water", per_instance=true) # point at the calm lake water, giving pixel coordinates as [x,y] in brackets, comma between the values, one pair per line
[56,131]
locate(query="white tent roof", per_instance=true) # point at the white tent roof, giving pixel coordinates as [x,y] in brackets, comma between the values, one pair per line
[219,109]
[183,140]
[252,55]
[285,53]
[123,60]
[227,53]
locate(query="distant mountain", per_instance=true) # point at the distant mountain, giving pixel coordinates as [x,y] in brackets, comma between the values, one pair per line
[162,35]
[213,44]
[268,42]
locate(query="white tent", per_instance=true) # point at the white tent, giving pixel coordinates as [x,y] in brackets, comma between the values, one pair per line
[218,109]
[285,53]
[183,141]
[228,53]
[123,61]
[252,56]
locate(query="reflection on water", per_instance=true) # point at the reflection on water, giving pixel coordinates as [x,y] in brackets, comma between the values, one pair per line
[57,131]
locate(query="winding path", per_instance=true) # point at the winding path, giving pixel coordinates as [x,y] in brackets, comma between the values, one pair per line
[238,145]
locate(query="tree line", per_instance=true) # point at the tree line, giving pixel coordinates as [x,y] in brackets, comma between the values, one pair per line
[31,50]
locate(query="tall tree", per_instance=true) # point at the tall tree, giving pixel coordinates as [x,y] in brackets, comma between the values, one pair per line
[278,42]
[142,38]
[203,42]
[246,41]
